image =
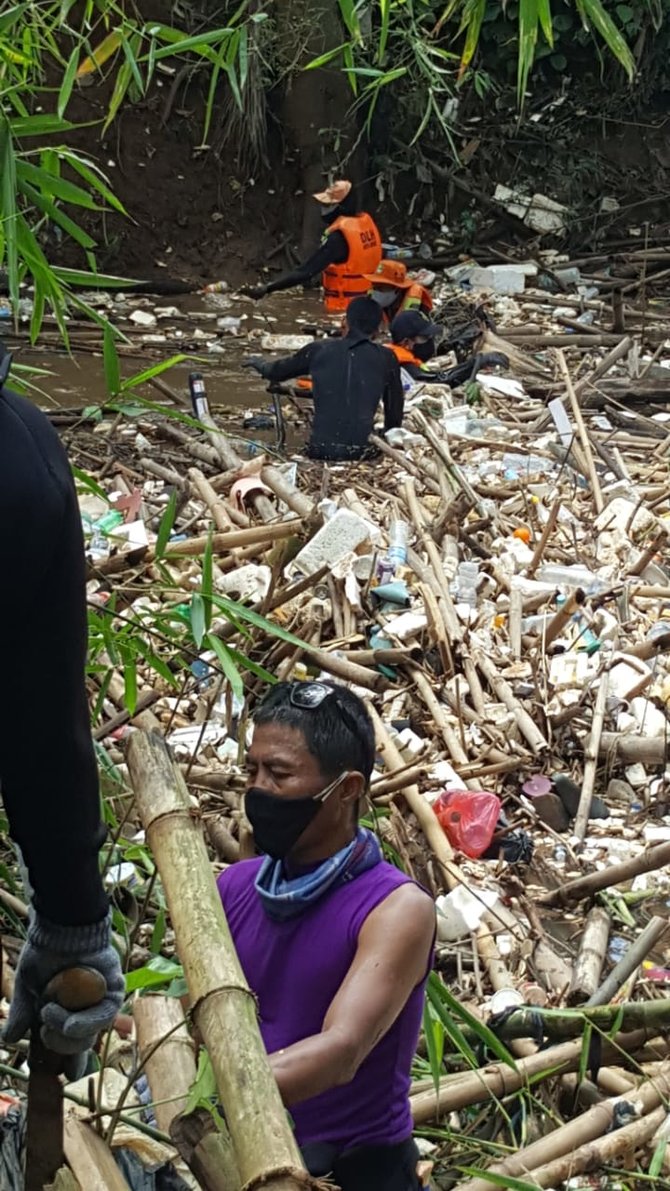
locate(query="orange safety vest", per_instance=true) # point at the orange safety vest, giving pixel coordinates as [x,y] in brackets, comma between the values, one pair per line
[343,282]
[403,355]
[415,297]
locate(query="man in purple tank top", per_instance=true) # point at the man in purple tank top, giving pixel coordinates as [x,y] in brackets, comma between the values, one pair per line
[335,943]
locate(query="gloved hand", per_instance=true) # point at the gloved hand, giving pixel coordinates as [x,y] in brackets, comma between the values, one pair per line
[254,291]
[50,949]
[258,363]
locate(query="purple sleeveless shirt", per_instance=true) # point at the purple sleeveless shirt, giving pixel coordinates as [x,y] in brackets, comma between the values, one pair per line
[295,968]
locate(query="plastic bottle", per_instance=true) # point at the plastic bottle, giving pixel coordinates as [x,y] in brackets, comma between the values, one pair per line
[617,949]
[215,287]
[660,629]
[199,401]
[398,539]
[467,580]
[109,522]
[393,252]
[560,854]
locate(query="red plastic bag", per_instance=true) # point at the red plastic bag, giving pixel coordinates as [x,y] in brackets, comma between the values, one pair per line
[468,819]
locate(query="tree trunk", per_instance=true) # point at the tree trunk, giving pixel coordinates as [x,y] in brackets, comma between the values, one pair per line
[316,119]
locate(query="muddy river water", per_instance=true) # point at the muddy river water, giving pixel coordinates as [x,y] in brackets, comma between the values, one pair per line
[78,379]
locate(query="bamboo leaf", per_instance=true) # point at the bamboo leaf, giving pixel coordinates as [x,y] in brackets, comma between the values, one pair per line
[118,95]
[198,619]
[110,359]
[584,1053]
[165,527]
[240,611]
[385,15]
[434,1036]
[475,16]
[324,59]
[8,213]
[227,664]
[206,586]
[101,54]
[140,378]
[158,971]
[592,12]
[39,126]
[97,180]
[55,213]
[528,23]
[53,186]
[130,685]
[497,1180]
[658,1158]
[68,82]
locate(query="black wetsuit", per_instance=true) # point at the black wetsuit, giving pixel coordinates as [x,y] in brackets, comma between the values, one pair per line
[48,771]
[333,251]
[350,376]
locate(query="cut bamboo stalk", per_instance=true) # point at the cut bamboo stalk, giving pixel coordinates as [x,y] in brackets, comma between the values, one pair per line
[222,840]
[649,750]
[541,546]
[571,1136]
[636,953]
[216,507]
[503,691]
[498,1080]
[582,432]
[515,613]
[600,1152]
[438,714]
[297,501]
[616,874]
[561,618]
[591,748]
[88,1156]
[591,957]
[206,1150]
[223,542]
[223,1008]
[560,1024]
[230,459]
[170,1067]
[659,542]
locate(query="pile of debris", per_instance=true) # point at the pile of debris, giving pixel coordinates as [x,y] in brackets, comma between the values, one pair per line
[496,588]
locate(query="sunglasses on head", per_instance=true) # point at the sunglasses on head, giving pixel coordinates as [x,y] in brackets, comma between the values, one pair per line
[310,695]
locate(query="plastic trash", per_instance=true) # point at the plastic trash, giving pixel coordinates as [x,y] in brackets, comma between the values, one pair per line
[460,912]
[198,392]
[215,287]
[468,819]
[398,540]
[344,533]
[466,583]
[616,949]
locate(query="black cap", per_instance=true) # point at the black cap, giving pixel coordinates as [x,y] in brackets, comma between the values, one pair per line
[411,323]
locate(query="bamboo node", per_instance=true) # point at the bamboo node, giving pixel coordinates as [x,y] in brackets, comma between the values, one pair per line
[300,1177]
[222,988]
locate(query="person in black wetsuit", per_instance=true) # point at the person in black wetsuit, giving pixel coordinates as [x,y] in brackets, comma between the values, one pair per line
[48,772]
[350,249]
[350,376]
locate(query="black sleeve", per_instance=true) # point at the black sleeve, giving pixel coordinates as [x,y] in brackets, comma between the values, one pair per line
[394,398]
[333,251]
[298,364]
[48,768]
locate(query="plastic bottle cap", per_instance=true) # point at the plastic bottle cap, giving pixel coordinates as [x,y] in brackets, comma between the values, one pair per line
[523,533]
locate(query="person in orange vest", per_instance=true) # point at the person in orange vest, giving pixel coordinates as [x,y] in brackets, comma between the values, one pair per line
[411,333]
[350,250]
[394,291]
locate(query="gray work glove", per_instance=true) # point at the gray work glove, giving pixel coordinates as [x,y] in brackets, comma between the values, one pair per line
[48,950]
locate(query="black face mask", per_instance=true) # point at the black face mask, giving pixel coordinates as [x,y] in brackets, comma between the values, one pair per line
[424,351]
[278,823]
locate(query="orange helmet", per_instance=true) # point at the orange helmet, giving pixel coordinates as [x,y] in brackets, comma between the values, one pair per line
[389,273]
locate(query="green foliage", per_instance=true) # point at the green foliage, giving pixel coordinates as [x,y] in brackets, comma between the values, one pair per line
[46,185]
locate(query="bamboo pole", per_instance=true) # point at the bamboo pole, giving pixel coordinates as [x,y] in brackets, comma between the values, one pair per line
[633,957]
[591,956]
[560,1024]
[206,1150]
[498,1080]
[616,874]
[582,432]
[504,692]
[170,1065]
[88,1156]
[591,759]
[224,1010]
[602,1151]
[571,1136]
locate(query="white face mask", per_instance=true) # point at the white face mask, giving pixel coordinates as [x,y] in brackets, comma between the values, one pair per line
[383,297]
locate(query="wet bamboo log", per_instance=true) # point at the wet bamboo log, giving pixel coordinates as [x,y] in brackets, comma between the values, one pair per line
[589,1126]
[169,1064]
[600,1152]
[560,1024]
[616,874]
[636,953]
[591,956]
[224,1010]
[649,750]
[498,1080]
[504,693]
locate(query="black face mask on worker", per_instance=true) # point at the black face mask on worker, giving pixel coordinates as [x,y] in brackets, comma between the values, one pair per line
[278,823]
[425,351]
